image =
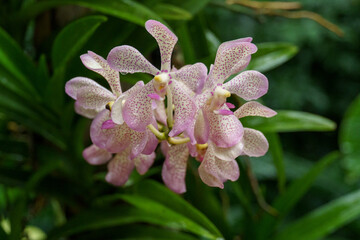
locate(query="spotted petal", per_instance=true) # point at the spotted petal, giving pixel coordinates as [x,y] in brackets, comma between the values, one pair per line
[225,130]
[120,168]
[231,57]
[116,109]
[174,168]
[151,143]
[192,75]
[88,93]
[202,128]
[248,85]
[255,143]
[113,140]
[229,154]
[137,111]
[254,109]
[127,59]
[99,65]
[86,112]
[214,172]
[165,39]
[185,109]
[143,162]
[95,155]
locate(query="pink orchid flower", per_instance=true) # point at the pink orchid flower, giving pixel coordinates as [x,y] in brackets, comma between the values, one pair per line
[95,101]
[178,86]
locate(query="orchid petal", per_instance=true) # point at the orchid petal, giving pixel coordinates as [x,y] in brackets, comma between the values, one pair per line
[151,144]
[95,155]
[165,39]
[231,57]
[202,128]
[228,154]
[230,105]
[143,162]
[192,149]
[248,85]
[116,109]
[193,76]
[225,130]
[255,143]
[108,124]
[138,142]
[185,108]
[86,112]
[214,172]
[113,140]
[73,86]
[137,111]
[127,59]
[224,112]
[99,65]
[160,112]
[174,168]
[254,109]
[88,93]
[94,98]
[120,168]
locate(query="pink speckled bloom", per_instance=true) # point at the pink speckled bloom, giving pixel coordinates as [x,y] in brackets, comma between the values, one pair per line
[179,86]
[198,120]
[132,148]
[216,125]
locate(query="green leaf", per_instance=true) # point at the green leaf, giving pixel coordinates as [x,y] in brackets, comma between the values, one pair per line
[17,212]
[66,45]
[3,234]
[285,202]
[70,40]
[169,216]
[271,55]
[349,139]
[125,9]
[101,218]
[18,66]
[172,12]
[324,220]
[138,232]
[278,158]
[159,193]
[291,121]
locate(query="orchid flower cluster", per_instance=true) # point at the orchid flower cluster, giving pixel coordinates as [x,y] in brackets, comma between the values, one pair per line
[184,110]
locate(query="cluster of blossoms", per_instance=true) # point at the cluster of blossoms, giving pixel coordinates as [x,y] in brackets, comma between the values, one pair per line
[185,110]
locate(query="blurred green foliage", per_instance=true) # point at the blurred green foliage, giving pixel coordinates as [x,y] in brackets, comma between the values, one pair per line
[309,176]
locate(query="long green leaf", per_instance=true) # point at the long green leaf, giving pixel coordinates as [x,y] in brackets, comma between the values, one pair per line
[324,220]
[285,202]
[172,12]
[172,218]
[13,59]
[17,212]
[157,192]
[349,139]
[66,45]
[102,218]
[271,55]
[138,232]
[125,9]
[291,121]
[278,158]
[70,40]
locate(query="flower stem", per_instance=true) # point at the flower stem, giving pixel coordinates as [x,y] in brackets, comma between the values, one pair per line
[169,110]
[159,135]
[177,141]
